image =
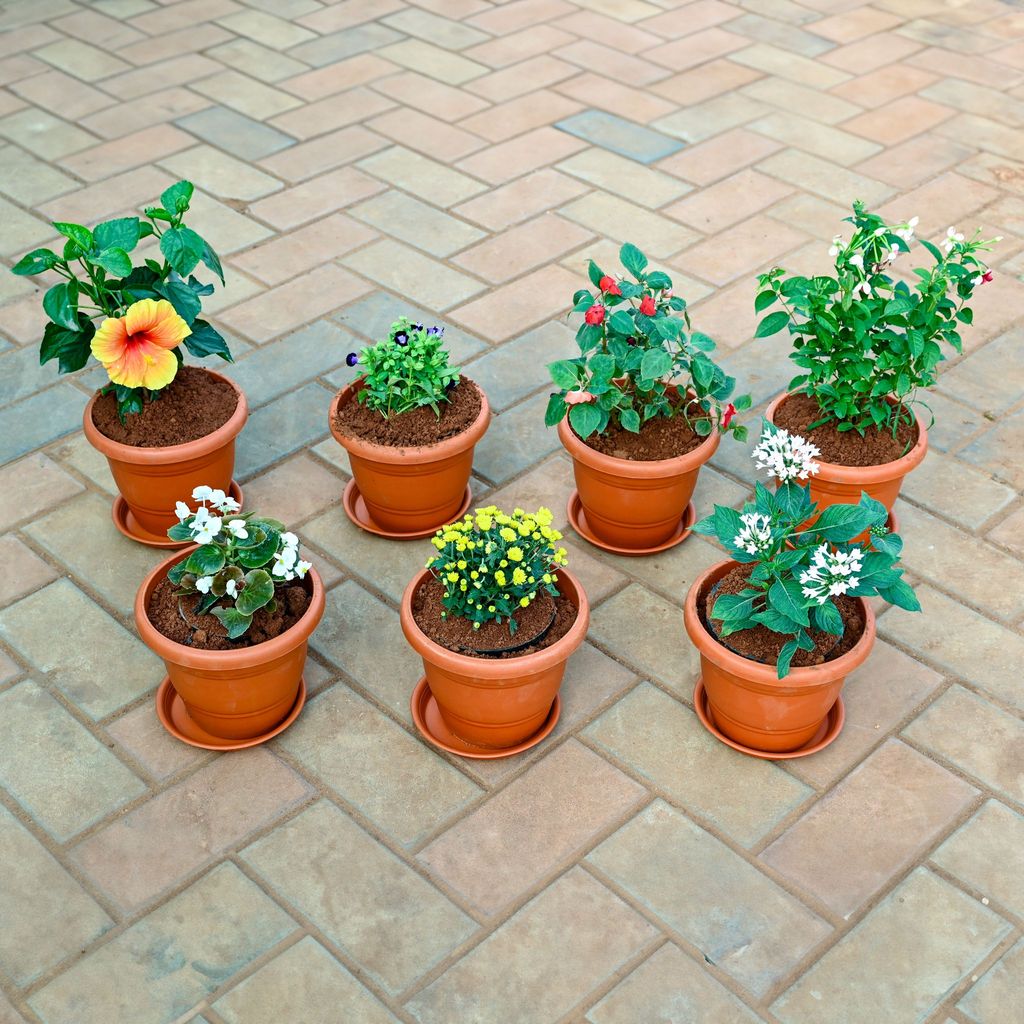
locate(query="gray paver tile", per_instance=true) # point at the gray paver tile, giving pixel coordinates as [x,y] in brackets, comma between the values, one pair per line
[996,998]
[627,138]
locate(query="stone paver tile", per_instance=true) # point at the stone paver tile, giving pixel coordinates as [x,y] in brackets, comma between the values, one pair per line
[45,915]
[254,59]
[741,921]
[720,156]
[874,824]
[988,854]
[338,45]
[339,111]
[960,640]
[30,486]
[504,161]
[444,31]
[442,101]
[915,161]
[78,656]
[515,440]
[712,117]
[723,204]
[883,84]
[504,120]
[180,69]
[26,571]
[324,153]
[377,909]
[80,60]
[821,139]
[954,422]
[164,964]
[277,33]
[996,451]
[741,250]
[775,61]
[61,94]
[558,948]
[140,733]
[303,982]
[518,46]
[22,374]
[1009,532]
[228,229]
[625,222]
[417,223]
[316,198]
[899,120]
[996,998]
[978,496]
[976,736]
[813,174]
[402,785]
[520,199]
[950,198]
[236,131]
[899,963]
[669,987]
[155,846]
[437,62]
[293,421]
[30,181]
[986,379]
[425,133]
[390,263]
[704,82]
[613,173]
[626,138]
[538,72]
[220,174]
[663,741]
[54,767]
[77,534]
[594,90]
[146,146]
[426,178]
[539,821]
[25,231]
[513,17]
[294,490]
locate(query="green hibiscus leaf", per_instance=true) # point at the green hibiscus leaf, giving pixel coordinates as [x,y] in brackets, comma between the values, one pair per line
[35,262]
[122,233]
[78,233]
[182,248]
[207,341]
[114,260]
[212,260]
[176,198]
[60,304]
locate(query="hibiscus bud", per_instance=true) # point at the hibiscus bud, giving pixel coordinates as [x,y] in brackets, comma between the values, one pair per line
[647,306]
[351,359]
[608,285]
[594,315]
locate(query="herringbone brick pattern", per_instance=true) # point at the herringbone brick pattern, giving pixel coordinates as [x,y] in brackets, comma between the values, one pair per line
[363,158]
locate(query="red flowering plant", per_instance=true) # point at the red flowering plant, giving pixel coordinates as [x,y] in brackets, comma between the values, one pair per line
[635,342]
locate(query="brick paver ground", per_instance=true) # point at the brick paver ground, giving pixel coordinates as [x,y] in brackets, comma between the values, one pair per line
[359,159]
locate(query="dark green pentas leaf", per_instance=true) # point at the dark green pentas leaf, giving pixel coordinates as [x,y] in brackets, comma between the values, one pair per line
[828,619]
[35,262]
[785,659]
[182,248]
[585,419]
[633,260]
[206,340]
[61,304]
[890,544]
[259,589]
[785,596]
[656,362]
[902,595]
[840,523]
[114,260]
[78,233]
[233,621]
[184,300]
[176,198]
[122,233]
[705,527]
[621,322]
[565,374]
[771,324]
[777,621]
[206,560]
[556,410]
[727,524]
[212,261]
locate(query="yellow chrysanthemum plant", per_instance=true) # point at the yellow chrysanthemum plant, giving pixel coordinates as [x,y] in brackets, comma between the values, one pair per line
[133,319]
[493,565]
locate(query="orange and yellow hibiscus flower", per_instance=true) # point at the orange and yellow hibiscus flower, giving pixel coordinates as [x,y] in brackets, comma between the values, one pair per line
[136,349]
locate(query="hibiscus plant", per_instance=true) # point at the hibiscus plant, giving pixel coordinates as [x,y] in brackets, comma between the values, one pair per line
[802,558]
[146,311]
[241,560]
[635,340]
[407,370]
[864,339]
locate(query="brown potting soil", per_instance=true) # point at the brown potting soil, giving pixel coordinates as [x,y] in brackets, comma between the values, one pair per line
[457,634]
[206,632]
[660,438]
[193,405]
[844,448]
[416,428]
[763,645]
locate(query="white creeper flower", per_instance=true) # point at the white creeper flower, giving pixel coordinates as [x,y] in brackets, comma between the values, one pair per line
[786,456]
[831,573]
[952,237]
[837,245]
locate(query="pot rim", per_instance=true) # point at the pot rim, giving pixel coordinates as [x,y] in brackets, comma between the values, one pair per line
[759,675]
[171,453]
[245,657]
[496,669]
[838,473]
[414,454]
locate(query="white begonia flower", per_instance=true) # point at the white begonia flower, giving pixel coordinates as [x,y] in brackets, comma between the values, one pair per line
[301,568]
[289,540]
[786,456]
[237,528]
[755,535]
[952,237]
[202,493]
[203,584]
[284,563]
[231,588]
[216,496]
[831,573]
[205,532]
[182,511]
[228,504]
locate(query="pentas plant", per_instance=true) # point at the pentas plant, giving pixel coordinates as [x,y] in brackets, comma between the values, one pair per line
[241,560]
[635,340]
[146,312]
[802,559]
[405,371]
[493,564]
[864,339]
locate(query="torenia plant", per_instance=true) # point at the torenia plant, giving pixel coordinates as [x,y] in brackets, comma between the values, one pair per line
[493,564]
[133,319]
[801,559]
[241,560]
[865,340]
[405,371]
[635,339]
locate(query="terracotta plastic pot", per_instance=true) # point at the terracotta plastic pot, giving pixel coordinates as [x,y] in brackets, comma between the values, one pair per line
[633,505]
[411,490]
[842,485]
[233,694]
[496,702]
[151,480]
[747,700]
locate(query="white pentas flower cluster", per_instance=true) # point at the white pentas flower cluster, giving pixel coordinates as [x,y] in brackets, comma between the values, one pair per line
[287,564]
[831,573]
[786,456]
[755,536]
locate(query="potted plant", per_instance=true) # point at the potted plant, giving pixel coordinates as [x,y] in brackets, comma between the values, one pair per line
[866,342]
[163,427]
[409,422]
[781,624]
[231,617]
[495,616]
[639,410]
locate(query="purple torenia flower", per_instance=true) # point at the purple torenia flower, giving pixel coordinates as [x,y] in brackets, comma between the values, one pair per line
[351,359]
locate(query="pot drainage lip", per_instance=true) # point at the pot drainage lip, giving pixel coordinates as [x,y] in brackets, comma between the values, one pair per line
[355,508]
[127,524]
[829,730]
[170,709]
[578,521]
[431,726]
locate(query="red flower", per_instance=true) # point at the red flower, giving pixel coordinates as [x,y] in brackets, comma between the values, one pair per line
[647,307]
[727,417]
[595,315]
[987,276]
[608,286]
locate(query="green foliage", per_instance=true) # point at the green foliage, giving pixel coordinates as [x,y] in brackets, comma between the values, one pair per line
[635,341]
[864,340]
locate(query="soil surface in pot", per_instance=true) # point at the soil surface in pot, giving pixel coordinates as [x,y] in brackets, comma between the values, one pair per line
[454,633]
[763,645]
[205,631]
[660,438]
[844,448]
[416,428]
[193,405]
